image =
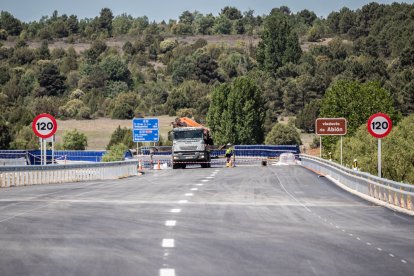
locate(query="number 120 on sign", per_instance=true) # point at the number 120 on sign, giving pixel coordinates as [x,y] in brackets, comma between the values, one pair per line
[379,125]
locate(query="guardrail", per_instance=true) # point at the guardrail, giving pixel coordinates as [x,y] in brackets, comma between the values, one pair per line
[31,175]
[388,191]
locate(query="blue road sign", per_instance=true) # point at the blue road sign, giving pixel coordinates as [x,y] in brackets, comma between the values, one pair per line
[145,130]
[141,123]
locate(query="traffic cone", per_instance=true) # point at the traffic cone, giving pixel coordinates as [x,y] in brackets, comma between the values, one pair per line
[140,165]
[158,165]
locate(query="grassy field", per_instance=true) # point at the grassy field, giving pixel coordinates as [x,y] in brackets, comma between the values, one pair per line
[99,131]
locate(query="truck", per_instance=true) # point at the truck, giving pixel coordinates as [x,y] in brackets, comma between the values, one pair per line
[191,143]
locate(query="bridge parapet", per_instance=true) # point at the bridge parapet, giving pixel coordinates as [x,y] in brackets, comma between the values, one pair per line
[391,193]
[31,175]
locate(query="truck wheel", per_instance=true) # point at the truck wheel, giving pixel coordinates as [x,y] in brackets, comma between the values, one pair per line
[176,166]
[183,166]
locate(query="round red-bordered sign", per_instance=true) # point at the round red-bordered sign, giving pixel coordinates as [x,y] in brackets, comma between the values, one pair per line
[379,125]
[44,125]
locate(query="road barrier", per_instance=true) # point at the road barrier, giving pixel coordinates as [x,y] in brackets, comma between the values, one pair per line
[390,192]
[11,176]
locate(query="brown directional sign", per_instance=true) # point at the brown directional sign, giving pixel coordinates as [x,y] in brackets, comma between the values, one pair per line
[330,126]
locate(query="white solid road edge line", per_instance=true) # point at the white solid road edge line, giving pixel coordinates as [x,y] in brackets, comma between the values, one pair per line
[369,198]
[167,272]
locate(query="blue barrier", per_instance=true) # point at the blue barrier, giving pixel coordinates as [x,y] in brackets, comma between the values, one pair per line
[12,154]
[33,156]
[269,151]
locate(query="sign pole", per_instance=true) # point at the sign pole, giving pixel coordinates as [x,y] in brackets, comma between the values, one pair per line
[379,125]
[45,152]
[320,146]
[41,150]
[379,158]
[53,150]
[341,150]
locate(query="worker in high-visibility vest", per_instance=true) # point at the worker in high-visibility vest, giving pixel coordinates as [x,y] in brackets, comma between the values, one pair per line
[229,154]
[355,165]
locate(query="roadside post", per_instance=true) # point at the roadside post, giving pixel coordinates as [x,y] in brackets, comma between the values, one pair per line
[44,126]
[379,125]
[330,127]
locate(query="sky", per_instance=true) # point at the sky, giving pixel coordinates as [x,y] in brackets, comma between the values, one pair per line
[158,10]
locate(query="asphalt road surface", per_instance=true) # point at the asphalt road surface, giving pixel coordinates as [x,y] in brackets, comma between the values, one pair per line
[218,221]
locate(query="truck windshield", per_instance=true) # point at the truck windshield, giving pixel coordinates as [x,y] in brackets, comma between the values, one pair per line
[191,134]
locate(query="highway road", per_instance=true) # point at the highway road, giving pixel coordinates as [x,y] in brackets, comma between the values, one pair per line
[218,221]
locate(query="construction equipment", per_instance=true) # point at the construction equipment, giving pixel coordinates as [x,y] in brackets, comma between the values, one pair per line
[191,143]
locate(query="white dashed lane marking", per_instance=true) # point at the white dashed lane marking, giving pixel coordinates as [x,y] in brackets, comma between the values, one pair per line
[199,184]
[170,223]
[205,180]
[168,243]
[175,210]
[167,272]
[183,201]
[209,177]
[194,189]
[359,239]
[189,194]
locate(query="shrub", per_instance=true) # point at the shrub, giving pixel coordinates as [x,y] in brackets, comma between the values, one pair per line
[115,153]
[74,140]
[283,135]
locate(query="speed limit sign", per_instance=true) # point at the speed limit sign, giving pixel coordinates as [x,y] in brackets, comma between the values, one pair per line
[379,125]
[44,125]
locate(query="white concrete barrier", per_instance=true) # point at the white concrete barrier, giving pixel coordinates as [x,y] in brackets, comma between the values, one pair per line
[13,176]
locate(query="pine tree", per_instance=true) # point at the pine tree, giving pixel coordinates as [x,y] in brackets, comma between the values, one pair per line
[279,44]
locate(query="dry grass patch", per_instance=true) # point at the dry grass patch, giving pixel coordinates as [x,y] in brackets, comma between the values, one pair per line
[99,130]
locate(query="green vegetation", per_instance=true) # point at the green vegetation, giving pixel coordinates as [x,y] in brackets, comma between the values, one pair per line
[74,140]
[121,136]
[283,135]
[238,71]
[397,151]
[115,153]
[236,113]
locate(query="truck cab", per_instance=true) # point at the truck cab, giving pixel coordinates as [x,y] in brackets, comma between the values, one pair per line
[190,146]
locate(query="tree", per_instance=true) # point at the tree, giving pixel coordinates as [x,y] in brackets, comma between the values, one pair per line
[279,44]
[237,113]
[222,25]
[5,135]
[115,153]
[205,69]
[105,20]
[355,102]
[25,139]
[399,153]
[96,49]
[9,23]
[116,69]
[74,140]
[51,82]
[307,117]
[232,13]
[283,135]
[121,136]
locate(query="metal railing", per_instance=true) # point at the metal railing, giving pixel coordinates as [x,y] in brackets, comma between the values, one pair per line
[11,176]
[391,192]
